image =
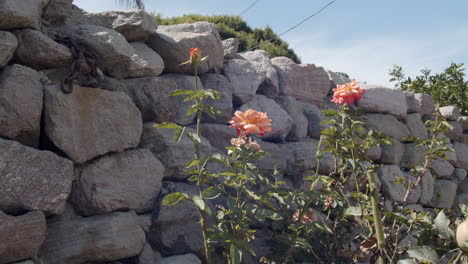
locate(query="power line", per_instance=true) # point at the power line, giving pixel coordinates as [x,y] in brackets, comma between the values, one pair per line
[247,9]
[297,25]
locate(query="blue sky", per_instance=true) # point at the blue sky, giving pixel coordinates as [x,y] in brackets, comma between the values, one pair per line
[363,38]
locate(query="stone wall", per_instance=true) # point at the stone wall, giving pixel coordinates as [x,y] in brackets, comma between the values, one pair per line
[82,173]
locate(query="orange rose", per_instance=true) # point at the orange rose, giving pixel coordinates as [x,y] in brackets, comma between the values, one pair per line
[251,122]
[194,55]
[347,93]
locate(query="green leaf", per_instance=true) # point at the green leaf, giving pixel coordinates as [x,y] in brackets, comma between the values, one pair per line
[174,198]
[211,193]
[178,130]
[353,211]
[193,163]
[423,253]
[406,261]
[198,201]
[181,92]
[235,254]
[441,224]
[194,137]
[261,214]
[329,112]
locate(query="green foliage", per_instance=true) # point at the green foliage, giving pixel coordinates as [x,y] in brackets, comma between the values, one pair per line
[447,88]
[236,27]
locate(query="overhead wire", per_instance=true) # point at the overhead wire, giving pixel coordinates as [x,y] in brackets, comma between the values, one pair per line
[248,8]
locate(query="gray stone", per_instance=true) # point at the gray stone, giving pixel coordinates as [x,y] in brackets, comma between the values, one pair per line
[146,61]
[451,113]
[130,180]
[221,84]
[175,156]
[314,117]
[444,194]
[305,82]
[456,133]
[276,159]
[21,104]
[461,151]
[463,120]
[300,124]
[395,184]
[409,241]
[219,135]
[230,46]
[91,122]
[244,78]
[20,14]
[180,259]
[57,11]
[374,153]
[173,43]
[175,229]
[413,156]
[383,100]
[98,238]
[152,96]
[38,51]
[300,156]
[416,126]
[459,175]
[8,45]
[259,58]
[412,104]
[442,168]
[393,153]
[68,214]
[281,121]
[21,236]
[337,79]
[427,188]
[463,186]
[426,103]
[33,179]
[461,199]
[57,75]
[388,125]
[148,255]
[25,262]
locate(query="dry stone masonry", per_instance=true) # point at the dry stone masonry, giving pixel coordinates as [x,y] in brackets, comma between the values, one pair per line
[82,174]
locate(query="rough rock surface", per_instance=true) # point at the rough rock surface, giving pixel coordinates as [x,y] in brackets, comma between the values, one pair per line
[21,236]
[300,156]
[426,103]
[219,83]
[413,156]
[463,120]
[38,51]
[230,46]
[337,78]
[130,180]
[389,176]
[416,126]
[393,153]
[427,188]
[305,82]
[461,151]
[384,100]
[33,179]
[444,194]
[244,78]
[175,156]
[442,168]
[98,238]
[57,11]
[173,43]
[314,117]
[276,158]
[300,125]
[281,121]
[175,229]
[146,62]
[219,135]
[259,58]
[412,104]
[76,122]
[8,45]
[456,133]
[451,113]
[20,14]
[152,96]
[180,259]
[21,104]
[388,125]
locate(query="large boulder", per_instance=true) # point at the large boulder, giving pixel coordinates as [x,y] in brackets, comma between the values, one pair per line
[305,82]
[281,121]
[451,113]
[456,132]
[314,118]
[130,180]
[383,100]
[33,179]
[413,156]
[57,11]
[38,51]
[21,102]
[295,109]
[426,103]
[259,58]
[300,156]
[174,155]
[412,104]
[461,151]
[416,126]
[180,259]
[173,43]
[117,57]
[276,158]
[175,228]
[244,78]
[392,153]
[8,45]
[152,96]
[16,14]
[230,46]
[427,188]
[444,194]
[394,187]
[388,125]
[337,78]
[90,122]
[219,135]
[93,239]
[21,236]
[463,120]
[442,168]
[221,84]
